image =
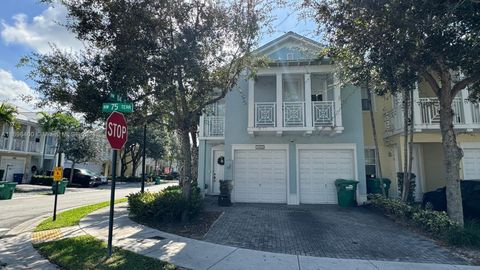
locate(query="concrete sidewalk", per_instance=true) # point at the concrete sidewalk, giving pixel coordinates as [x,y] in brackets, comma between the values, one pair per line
[194,254]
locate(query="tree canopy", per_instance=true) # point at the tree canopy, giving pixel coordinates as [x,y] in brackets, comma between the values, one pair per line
[397,43]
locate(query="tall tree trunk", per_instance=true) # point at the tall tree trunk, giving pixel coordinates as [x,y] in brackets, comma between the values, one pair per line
[70,179]
[193,134]
[453,155]
[410,144]
[186,159]
[406,180]
[375,140]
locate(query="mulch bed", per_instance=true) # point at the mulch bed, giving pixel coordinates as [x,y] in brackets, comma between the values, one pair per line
[195,229]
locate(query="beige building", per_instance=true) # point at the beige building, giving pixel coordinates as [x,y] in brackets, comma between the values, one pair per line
[427,149]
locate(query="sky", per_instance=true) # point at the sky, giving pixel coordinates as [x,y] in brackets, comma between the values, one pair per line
[28,26]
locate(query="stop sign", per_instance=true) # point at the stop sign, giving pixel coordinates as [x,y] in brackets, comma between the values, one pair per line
[117,132]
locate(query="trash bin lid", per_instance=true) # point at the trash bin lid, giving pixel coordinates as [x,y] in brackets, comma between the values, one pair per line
[341,182]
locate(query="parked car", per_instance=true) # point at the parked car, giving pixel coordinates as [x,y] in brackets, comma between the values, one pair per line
[83,177]
[437,199]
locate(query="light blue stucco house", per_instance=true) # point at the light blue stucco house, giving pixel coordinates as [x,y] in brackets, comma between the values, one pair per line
[286,134]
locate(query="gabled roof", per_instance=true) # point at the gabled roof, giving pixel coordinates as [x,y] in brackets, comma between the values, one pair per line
[286,36]
[291,48]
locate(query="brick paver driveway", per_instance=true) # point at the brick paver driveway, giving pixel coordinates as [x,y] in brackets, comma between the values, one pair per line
[324,231]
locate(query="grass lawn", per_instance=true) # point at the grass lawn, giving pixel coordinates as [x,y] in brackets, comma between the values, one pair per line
[72,217]
[86,252]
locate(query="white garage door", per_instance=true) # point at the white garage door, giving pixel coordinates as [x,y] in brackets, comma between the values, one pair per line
[15,165]
[318,171]
[471,163]
[260,176]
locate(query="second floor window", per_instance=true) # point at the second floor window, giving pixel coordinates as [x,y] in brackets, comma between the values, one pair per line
[366,104]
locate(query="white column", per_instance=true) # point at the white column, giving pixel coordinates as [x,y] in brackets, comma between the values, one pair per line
[416,107]
[43,137]
[467,110]
[11,134]
[251,102]
[308,100]
[279,85]
[337,97]
[202,126]
[27,138]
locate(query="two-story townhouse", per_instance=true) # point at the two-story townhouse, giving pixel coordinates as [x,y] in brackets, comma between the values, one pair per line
[286,134]
[428,156]
[25,149]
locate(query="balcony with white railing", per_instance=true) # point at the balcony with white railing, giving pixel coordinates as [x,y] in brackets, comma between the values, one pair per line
[265,113]
[293,102]
[34,147]
[294,114]
[214,126]
[427,115]
[323,113]
[18,144]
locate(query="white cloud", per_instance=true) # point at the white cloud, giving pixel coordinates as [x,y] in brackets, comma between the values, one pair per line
[12,90]
[41,31]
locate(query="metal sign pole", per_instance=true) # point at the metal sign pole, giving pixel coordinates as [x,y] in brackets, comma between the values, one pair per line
[143,156]
[112,202]
[56,187]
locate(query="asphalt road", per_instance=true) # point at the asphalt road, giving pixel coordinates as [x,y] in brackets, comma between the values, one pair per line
[18,210]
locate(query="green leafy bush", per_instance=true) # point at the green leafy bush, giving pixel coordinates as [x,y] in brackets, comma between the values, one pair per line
[129,179]
[437,223]
[166,205]
[141,204]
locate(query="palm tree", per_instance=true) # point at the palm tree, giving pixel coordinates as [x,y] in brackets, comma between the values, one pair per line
[8,114]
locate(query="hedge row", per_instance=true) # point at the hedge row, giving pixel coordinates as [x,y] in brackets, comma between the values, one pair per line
[166,205]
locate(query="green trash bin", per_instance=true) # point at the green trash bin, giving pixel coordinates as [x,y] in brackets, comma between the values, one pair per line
[374,185]
[6,190]
[346,192]
[62,186]
[157,180]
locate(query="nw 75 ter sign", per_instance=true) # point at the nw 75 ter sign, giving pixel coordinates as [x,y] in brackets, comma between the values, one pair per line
[117,132]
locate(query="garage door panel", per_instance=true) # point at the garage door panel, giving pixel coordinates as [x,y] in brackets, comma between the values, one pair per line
[471,163]
[260,176]
[318,170]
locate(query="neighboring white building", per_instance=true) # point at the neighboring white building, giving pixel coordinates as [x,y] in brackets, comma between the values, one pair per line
[25,149]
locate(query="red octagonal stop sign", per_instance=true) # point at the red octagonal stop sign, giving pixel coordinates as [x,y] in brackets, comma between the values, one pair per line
[117,132]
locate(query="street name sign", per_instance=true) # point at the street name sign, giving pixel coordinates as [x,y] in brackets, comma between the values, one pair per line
[117,107]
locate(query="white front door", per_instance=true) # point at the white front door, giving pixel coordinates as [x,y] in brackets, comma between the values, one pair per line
[217,170]
[260,176]
[471,163]
[318,170]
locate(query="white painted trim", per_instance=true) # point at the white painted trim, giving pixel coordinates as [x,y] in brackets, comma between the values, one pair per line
[201,133]
[220,147]
[308,100]
[330,146]
[251,102]
[337,97]
[11,135]
[296,69]
[416,106]
[267,147]
[467,108]
[421,168]
[279,95]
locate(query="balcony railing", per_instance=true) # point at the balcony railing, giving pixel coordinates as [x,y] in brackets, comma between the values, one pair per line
[430,111]
[4,143]
[429,115]
[34,147]
[293,114]
[50,149]
[18,145]
[323,113]
[214,126]
[265,114]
